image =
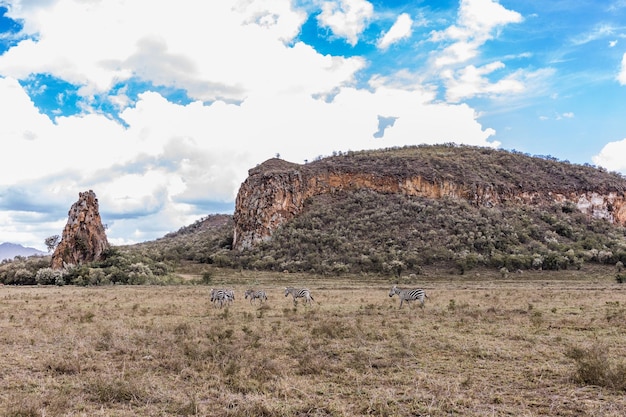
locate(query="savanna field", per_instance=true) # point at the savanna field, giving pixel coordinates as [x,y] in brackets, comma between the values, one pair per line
[526,345]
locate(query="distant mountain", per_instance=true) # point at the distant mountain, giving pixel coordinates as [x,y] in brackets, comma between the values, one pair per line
[11,250]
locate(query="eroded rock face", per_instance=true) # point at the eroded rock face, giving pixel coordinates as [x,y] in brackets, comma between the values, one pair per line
[84,238]
[276,190]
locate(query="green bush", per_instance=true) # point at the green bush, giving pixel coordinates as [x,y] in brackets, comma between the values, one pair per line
[49,276]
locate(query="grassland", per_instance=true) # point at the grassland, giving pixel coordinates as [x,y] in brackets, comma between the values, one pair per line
[532,344]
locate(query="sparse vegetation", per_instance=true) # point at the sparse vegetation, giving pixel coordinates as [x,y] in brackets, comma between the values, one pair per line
[547,344]
[594,366]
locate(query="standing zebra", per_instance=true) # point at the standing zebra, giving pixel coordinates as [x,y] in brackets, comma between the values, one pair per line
[222,296]
[408,295]
[299,293]
[217,296]
[254,295]
[230,296]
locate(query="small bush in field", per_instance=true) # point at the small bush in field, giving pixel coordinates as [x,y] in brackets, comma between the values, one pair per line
[594,367]
[115,390]
[207,277]
[23,407]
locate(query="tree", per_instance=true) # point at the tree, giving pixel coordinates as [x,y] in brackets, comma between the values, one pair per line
[52,242]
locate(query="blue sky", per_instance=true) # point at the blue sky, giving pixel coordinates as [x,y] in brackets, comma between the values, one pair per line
[161,108]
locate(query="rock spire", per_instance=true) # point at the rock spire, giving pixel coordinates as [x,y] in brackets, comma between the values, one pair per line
[84,238]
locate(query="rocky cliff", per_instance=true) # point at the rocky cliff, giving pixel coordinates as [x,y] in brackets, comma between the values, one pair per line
[84,238]
[276,191]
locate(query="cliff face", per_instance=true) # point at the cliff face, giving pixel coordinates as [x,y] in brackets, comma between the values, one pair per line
[84,238]
[275,192]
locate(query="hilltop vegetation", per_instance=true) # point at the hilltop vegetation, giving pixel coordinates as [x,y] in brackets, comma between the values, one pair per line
[477,166]
[366,232]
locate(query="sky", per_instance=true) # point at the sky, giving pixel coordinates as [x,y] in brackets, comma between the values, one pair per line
[161,108]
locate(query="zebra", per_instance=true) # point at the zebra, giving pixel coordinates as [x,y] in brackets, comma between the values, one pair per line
[217,295]
[299,293]
[222,296]
[254,295]
[408,295]
[230,296]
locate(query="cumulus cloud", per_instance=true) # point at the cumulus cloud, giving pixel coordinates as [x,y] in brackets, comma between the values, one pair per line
[401,29]
[471,81]
[477,20]
[346,18]
[611,156]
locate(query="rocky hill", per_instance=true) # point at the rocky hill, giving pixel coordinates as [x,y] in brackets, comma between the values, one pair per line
[402,209]
[276,191]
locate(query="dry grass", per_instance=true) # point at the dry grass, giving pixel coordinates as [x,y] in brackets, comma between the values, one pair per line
[525,347]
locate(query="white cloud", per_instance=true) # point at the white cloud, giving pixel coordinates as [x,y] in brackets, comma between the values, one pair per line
[471,82]
[476,22]
[199,49]
[621,77]
[558,116]
[611,156]
[401,29]
[346,18]
[598,32]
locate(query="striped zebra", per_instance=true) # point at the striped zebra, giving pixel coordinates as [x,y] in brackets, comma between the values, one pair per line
[299,293]
[230,296]
[256,295]
[222,296]
[409,295]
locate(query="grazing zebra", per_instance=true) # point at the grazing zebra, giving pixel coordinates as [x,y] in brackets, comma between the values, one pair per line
[217,295]
[256,295]
[230,296]
[408,295]
[222,296]
[299,293]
